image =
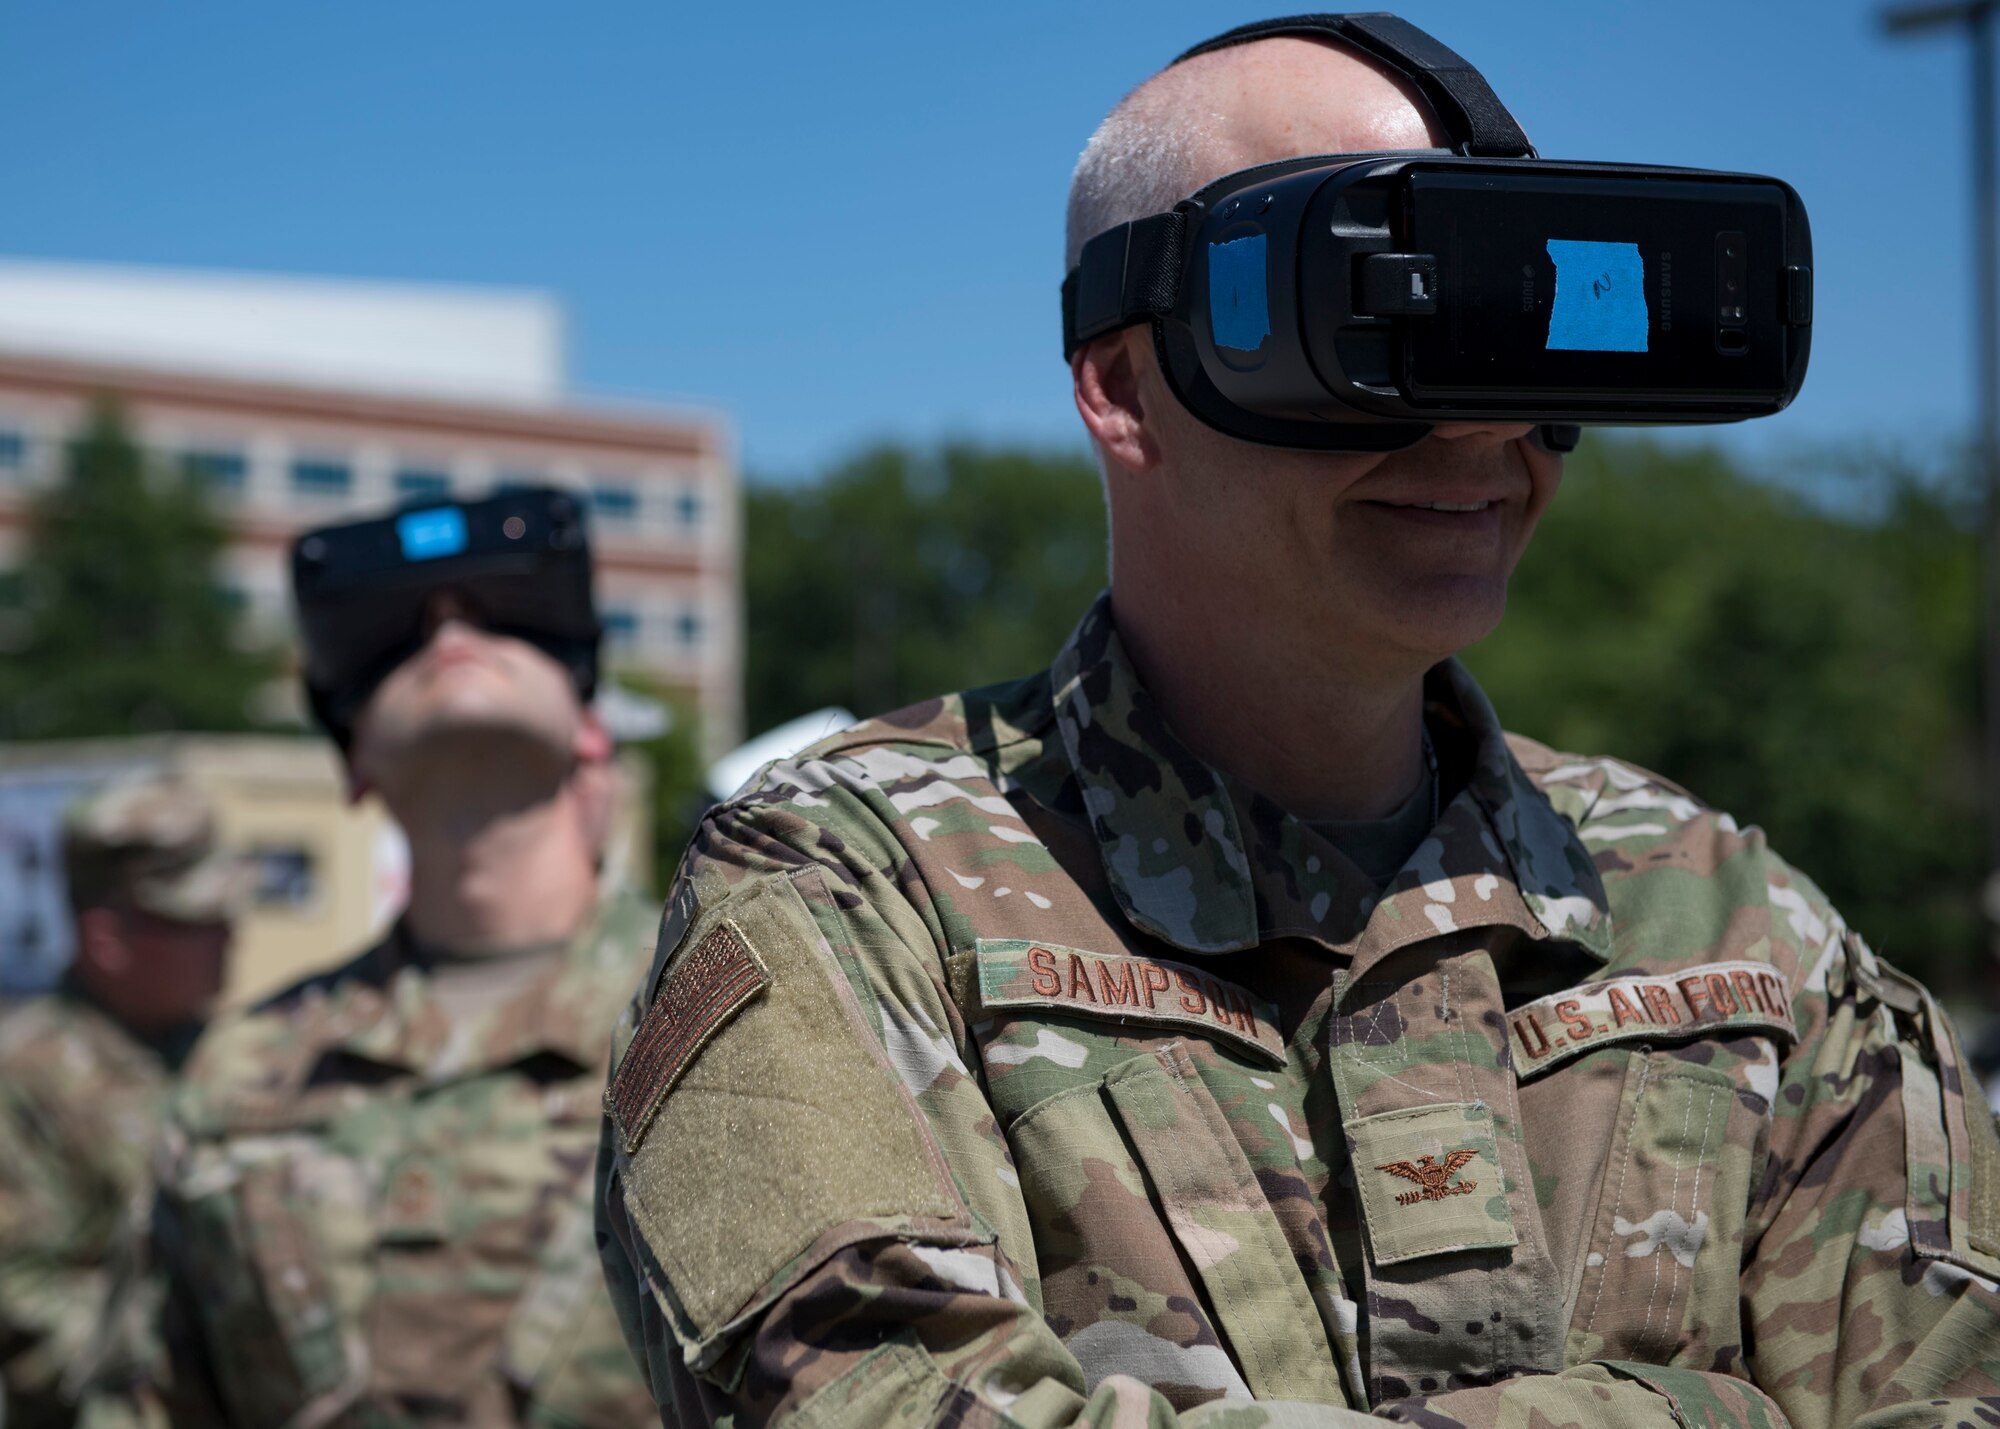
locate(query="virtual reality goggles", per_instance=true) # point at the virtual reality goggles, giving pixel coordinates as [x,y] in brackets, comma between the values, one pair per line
[1350,302]
[520,561]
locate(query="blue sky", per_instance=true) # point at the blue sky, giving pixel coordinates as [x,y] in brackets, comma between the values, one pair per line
[841,223]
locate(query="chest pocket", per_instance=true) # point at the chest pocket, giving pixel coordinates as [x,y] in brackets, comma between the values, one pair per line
[254,1223]
[1145,1210]
[1661,1274]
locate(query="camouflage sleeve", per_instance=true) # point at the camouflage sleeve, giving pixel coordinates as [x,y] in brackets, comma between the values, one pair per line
[60,1207]
[809,1213]
[1871,1289]
[177,1383]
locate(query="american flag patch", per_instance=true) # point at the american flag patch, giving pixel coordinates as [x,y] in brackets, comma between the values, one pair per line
[704,988]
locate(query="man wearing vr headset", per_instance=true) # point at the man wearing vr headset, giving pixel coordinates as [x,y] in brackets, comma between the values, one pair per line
[375,1203]
[1230,1025]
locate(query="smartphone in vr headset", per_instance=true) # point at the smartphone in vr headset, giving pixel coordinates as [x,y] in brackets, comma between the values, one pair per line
[519,561]
[1351,302]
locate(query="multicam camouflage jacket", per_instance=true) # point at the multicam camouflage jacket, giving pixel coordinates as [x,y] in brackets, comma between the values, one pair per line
[1003,1064]
[373,1215]
[80,1101]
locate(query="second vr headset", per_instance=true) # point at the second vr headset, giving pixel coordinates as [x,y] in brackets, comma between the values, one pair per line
[1350,302]
[519,560]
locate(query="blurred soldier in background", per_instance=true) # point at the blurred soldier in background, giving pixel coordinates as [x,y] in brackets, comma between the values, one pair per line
[85,1069]
[375,1194]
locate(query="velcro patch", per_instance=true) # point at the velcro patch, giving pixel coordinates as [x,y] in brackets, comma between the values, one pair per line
[704,988]
[1016,973]
[1430,1181]
[1689,1002]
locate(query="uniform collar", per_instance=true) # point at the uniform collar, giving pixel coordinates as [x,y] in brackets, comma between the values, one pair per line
[392,1018]
[1211,866]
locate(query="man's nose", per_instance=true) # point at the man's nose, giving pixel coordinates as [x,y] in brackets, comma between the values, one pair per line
[442,608]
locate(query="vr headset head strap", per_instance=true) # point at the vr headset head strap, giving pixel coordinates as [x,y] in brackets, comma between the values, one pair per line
[1472,114]
[1132,272]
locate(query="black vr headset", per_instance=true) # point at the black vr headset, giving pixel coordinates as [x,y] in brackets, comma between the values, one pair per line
[1350,302]
[520,561]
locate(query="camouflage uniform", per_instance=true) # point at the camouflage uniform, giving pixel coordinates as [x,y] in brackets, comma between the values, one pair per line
[371,1214]
[81,1095]
[1005,1064]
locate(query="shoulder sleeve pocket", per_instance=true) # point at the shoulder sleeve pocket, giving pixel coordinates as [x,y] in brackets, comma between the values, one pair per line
[765,1130]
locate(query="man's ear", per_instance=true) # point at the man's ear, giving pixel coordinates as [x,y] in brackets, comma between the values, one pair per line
[358,787]
[101,945]
[593,740]
[1105,375]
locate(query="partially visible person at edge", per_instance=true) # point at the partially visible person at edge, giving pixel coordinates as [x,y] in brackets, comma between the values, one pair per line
[85,1070]
[375,1193]
[1230,1025]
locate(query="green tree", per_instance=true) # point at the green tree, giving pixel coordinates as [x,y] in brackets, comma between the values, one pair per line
[121,628]
[679,791]
[906,574]
[1809,668]
[1809,664]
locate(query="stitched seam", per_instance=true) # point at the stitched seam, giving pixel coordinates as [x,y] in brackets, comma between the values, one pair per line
[1412,1087]
[1618,1197]
[1377,1035]
[1673,1203]
[1694,1196]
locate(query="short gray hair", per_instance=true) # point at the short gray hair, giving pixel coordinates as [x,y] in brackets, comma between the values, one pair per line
[1145,157]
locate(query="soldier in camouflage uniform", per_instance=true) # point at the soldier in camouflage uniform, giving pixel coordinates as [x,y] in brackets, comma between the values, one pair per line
[84,1069]
[375,1207]
[1165,1039]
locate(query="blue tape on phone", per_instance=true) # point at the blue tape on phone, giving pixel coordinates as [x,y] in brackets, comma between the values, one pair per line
[1600,301]
[427,535]
[1239,304]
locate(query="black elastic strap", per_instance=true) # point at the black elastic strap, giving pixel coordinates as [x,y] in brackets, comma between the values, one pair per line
[1126,273]
[1472,114]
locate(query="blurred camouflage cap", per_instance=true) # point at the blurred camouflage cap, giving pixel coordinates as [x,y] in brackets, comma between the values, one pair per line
[149,840]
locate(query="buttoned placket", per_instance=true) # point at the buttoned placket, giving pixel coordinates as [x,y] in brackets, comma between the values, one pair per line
[1420,1066]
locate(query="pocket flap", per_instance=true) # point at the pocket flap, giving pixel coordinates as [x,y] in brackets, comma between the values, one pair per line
[1225,1227]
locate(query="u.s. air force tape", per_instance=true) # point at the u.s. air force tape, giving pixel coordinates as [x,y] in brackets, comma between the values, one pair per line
[1687,1002]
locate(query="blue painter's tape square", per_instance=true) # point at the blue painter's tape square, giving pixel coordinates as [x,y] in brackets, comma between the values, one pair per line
[1239,304]
[1600,297]
[428,535]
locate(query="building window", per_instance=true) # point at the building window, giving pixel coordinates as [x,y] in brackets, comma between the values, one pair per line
[13,449]
[233,599]
[518,481]
[621,627]
[614,502]
[322,478]
[688,628]
[687,509]
[413,484]
[221,471]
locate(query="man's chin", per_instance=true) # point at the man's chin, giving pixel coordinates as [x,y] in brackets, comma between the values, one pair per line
[1437,617]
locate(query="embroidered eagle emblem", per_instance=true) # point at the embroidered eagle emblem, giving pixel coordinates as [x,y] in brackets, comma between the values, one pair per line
[1434,1176]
